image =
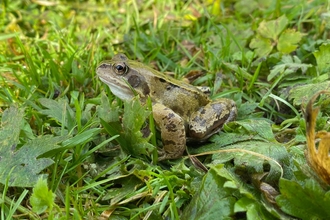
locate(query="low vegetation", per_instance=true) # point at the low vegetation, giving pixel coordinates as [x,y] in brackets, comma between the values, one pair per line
[70,149]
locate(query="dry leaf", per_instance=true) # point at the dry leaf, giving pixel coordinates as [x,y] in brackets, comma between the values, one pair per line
[318,157]
[198,164]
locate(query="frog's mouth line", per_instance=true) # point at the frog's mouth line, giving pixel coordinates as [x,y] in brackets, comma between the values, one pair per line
[118,88]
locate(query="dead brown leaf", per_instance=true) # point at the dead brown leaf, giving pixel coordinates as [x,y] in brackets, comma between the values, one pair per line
[317,156]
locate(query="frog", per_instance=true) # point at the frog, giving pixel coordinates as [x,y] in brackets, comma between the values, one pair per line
[182,112]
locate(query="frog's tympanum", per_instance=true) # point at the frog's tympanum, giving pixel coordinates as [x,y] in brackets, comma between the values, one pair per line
[181,111]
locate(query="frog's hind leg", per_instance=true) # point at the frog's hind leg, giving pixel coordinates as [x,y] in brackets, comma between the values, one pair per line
[209,119]
[172,130]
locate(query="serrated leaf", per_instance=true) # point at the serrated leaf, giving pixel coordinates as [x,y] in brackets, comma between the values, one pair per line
[246,109]
[59,110]
[254,154]
[213,200]
[254,145]
[306,200]
[134,118]
[42,198]
[288,41]
[109,113]
[272,29]
[135,115]
[302,93]
[262,46]
[322,57]
[22,166]
[289,64]
[218,195]
[250,129]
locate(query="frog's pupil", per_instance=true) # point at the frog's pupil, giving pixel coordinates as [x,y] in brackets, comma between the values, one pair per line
[119,67]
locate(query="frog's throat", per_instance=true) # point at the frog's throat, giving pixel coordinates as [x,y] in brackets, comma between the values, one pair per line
[121,91]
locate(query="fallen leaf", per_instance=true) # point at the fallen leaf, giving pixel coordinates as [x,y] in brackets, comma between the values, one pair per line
[318,157]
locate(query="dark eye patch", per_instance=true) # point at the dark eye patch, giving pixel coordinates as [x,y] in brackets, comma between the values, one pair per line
[134,81]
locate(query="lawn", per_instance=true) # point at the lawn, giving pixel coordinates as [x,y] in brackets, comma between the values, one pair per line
[70,149]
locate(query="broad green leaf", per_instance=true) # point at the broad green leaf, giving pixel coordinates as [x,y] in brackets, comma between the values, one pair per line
[253,209]
[272,29]
[221,194]
[249,130]
[288,41]
[322,57]
[135,116]
[109,113]
[305,200]
[42,198]
[262,46]
[213,200]
[255,129]
[246,109]
[81,138]
[22,166]
[59,110]
[254,155]
[289,64]
[252,145]
[302,93]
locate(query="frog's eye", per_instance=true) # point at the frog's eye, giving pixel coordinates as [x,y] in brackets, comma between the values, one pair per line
[120,68]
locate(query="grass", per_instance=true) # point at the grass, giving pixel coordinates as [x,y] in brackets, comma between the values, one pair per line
[87,143]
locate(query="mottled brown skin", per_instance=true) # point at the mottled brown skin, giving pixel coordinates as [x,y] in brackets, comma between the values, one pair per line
[181,111]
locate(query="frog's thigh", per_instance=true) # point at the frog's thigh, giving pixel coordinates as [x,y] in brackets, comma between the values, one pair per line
[172,129]
[210,118]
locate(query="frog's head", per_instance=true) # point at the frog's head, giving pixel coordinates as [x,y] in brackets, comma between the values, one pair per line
[124,77]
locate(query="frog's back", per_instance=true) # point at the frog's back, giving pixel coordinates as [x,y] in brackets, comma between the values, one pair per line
[183,99]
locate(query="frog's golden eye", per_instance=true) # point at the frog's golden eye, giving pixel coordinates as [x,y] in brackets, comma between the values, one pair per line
[120,68]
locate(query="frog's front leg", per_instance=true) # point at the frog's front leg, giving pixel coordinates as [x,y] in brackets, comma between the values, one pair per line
[209,119]
[172,129]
